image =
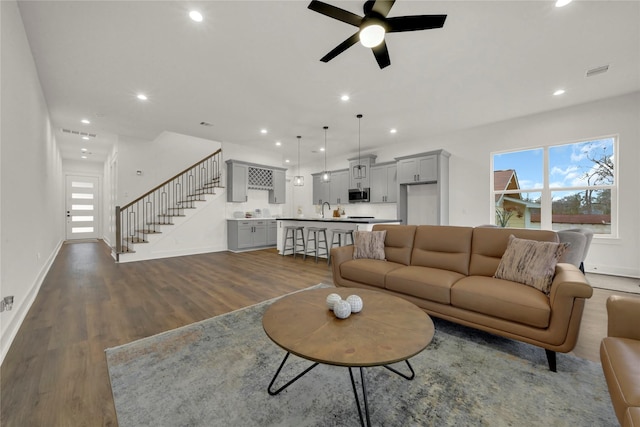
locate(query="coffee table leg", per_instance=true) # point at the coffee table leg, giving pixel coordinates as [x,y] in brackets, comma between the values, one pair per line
[408,377]
[364,396]
[273,393]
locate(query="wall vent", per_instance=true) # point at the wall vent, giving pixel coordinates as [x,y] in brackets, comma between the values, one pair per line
[597,70]
[205,124]
[77,132]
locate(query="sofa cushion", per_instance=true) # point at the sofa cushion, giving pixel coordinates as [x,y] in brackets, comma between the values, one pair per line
[621,366]
[530,262]
[398,242]
[428,283]
[369,244]
[368,271]
[488,246]
[503,299]
[444,247]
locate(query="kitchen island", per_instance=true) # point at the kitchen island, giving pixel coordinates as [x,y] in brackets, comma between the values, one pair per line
[331,223]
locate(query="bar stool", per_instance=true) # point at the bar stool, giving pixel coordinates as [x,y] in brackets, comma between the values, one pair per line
[317,232]
[297,239]
[340,233]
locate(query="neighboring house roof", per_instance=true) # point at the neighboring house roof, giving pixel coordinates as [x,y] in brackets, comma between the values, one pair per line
[576,219]
[524,203]
[505,180]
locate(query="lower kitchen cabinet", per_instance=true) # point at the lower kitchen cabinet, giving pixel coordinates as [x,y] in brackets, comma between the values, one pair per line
[251,233]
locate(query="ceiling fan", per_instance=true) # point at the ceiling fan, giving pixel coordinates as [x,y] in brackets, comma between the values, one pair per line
[374,25]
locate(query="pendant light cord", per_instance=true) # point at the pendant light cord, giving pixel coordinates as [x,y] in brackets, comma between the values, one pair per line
[299,137]
[325,147]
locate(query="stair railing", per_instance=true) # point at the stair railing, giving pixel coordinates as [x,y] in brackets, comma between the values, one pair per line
[159,206]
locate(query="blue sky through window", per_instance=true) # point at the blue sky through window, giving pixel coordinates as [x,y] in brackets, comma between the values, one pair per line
[568,164]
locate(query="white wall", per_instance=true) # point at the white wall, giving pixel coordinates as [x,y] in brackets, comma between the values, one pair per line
[469,199]
[31,177]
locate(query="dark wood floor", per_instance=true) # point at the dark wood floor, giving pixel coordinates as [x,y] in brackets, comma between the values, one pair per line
[55,372]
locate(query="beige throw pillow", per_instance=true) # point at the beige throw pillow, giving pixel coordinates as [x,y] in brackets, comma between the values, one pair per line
[369,244]
[530,262]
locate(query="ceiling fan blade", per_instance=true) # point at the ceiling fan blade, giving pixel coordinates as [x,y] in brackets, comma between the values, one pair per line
[383,6]
[415,23]
[382,54]
[341,48]
[335,13]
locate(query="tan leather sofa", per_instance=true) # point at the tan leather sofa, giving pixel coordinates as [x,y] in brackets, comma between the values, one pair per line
[448,272]
[620,356]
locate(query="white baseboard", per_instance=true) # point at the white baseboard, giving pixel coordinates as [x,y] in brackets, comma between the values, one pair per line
[22,307]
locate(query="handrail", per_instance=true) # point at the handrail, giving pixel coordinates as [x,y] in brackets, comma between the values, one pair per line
[219,150]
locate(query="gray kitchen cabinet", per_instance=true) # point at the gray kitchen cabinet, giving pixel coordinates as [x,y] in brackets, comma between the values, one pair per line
[272,232]
[429,173]
[321,190]
[339,187]
[249,234]
[237,181]
[384,184]
[278,194]
[420,169]
[366,161]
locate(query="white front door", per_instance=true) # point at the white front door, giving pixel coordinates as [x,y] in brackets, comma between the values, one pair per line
[83,207]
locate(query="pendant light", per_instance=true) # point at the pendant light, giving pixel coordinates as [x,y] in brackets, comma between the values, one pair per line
[359,170]
[298,180]
[326,175]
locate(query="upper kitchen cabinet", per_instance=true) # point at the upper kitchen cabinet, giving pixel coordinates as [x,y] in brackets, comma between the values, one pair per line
[277,194]
[321,189]
[384,183]
[242,176]
[237,179]
[418,169]
[339,187]
[427,174]
[360,177]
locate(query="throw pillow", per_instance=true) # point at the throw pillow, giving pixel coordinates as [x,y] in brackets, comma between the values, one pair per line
[530,262]
[369,244]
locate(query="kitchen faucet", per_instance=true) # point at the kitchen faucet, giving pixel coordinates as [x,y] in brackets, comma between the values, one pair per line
[325,203]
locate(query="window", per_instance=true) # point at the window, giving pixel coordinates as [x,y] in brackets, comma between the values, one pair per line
[557,187]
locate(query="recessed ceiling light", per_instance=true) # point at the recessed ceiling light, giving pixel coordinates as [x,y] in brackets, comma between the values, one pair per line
[562,3]
[321,148]
[394,130]
[142,97]
[263,131]
[344,97]
[196,16]
[85,121]
[84,157]
[84,150]
[558,92]
[278,143]
[286,160]
[86,138]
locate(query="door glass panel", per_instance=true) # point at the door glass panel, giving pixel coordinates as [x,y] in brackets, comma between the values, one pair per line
[82,196]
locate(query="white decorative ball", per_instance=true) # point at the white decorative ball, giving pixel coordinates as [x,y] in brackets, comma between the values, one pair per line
[342,309]
[355,302]
[332,299]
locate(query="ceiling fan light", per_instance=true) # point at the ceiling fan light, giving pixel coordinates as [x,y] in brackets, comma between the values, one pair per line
[372,35]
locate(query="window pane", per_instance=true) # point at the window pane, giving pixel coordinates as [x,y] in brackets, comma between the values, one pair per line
[581,164]
[521,169]
[81,196]
[520,210]
[82,207]
[76,218]
[76,184]
[589,209]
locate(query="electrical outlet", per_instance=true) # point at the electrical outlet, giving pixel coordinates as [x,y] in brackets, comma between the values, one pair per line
[6,303]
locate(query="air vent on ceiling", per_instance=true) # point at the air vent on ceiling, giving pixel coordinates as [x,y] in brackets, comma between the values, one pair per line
[205,124]
[77,132]
[597,70]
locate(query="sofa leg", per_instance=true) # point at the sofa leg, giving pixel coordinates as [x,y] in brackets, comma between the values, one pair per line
[582,267]
[551,358]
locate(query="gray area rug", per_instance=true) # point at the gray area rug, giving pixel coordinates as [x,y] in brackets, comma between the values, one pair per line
[216,373]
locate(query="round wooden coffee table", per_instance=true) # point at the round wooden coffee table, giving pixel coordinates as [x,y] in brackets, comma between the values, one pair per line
[387,330]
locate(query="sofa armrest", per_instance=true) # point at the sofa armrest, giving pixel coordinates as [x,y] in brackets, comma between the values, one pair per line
[569,282]
[624,317]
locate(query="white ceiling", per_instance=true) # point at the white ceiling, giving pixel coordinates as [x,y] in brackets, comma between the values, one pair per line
[255,64]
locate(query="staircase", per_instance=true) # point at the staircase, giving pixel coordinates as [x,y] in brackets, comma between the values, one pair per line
[152,211]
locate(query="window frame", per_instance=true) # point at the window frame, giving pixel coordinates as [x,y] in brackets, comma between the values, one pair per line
[546,200]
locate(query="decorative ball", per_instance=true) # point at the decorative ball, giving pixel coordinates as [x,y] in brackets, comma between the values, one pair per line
[355,302]
[332,299]
[342,309]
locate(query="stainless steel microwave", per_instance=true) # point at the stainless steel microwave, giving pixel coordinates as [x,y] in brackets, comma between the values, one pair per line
[359,195]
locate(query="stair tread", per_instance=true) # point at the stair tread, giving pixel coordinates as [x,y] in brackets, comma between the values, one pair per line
[160,223]
[145,231]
